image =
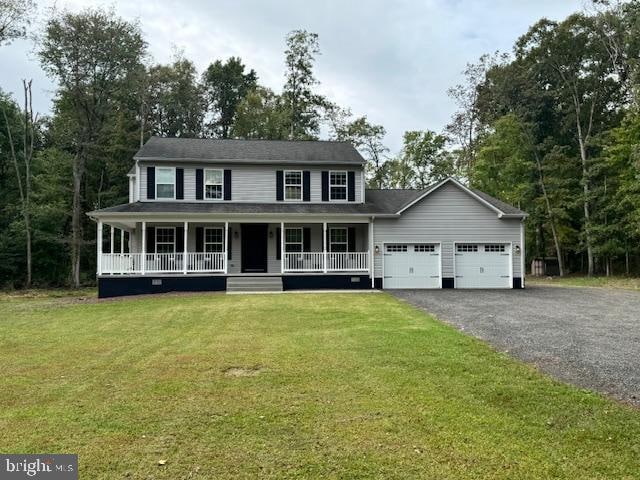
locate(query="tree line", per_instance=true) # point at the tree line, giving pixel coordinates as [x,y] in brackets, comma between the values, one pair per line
[552,127]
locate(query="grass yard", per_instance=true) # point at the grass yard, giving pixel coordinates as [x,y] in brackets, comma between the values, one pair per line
[289,386]
[627,283]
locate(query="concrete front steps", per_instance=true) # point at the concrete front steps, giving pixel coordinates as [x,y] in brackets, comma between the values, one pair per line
[254,284]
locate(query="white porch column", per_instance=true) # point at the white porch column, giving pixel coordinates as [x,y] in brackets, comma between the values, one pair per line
[121,241]
[226,248]
[143,250]
[185,250]
[371,257]
[282,262]
[112,236]
[99,248]
[324,246]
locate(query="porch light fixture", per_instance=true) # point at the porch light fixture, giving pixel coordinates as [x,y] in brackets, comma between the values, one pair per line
[235,234]
[517,249]
[270,233]
[377,249]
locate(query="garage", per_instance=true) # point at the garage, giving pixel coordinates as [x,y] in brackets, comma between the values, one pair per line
[412,265]
[482,265]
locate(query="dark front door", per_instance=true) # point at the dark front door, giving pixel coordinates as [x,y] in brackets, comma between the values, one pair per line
[254,248]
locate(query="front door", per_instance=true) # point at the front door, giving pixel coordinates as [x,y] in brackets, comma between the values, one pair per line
[254,248]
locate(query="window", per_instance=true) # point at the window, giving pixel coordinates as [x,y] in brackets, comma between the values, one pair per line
[424,248]
[466,248]
[213,181]
[338,240]
[494,248]
[337,185]
[213,240]
[165,240]
[396,248]
[165,183]
[292,185]
[293,240]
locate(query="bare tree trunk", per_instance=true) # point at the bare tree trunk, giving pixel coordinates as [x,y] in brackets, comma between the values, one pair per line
[556,240]
[76,218]
[626,261]
[25,190]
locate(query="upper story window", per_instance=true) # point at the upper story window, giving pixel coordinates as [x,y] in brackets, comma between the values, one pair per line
[337,185]
[165,240]
[213,184]
[293,240]
[165,183]
[292,185]
[213,240]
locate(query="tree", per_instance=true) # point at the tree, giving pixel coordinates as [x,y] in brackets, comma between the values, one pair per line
[23,175]
[175,102]
[91,54]
[465,126]
[569,58]
[426,155]
[368,139]
[303,104]
[226,85]
[15,17]
[261,115]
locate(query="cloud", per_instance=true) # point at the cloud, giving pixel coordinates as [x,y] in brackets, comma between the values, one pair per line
[392,61]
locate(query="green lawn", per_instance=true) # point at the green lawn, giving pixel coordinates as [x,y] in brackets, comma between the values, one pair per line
[628,283]
[289,386]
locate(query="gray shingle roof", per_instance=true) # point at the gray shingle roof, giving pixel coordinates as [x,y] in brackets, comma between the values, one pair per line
[254,151]
[499,204]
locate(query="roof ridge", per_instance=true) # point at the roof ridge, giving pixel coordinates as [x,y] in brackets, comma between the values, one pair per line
[252,140]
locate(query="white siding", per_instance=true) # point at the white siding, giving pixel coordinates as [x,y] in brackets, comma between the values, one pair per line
[447,215]
[251,183]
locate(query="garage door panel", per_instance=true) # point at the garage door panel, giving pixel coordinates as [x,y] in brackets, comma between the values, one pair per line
[412,266]
[482,266]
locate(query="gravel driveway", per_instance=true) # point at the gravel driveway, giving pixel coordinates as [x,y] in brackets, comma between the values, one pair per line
[586,336]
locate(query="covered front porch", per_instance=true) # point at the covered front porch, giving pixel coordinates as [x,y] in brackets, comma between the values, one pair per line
[233,247]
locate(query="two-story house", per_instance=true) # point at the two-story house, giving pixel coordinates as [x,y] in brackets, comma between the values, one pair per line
[239,215]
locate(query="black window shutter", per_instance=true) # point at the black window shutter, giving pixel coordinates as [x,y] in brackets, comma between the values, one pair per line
[229,244]
[227,184]
[325,186]
[199,239]
[179,239]
[279,185]
[179,183]
[306,186]
[306,239]
[151,240]
[351,186]
[278,246]
[151,182]
[351,239]
[199,184]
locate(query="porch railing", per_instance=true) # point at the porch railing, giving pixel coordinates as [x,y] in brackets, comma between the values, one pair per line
[131,263]
[336,262]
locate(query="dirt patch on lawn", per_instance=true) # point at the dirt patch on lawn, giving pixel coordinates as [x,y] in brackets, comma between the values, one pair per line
[242,371]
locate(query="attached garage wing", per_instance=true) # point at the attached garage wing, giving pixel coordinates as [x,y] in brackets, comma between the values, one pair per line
[482,265]
[412,265]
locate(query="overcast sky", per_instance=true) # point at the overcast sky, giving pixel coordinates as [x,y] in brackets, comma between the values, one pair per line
[390,60]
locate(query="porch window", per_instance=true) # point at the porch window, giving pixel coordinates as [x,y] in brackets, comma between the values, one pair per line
[166,240]
[213,240]
[213,184]
[165,183]
[292,185]
[338,240]
[337,185]
[293,240]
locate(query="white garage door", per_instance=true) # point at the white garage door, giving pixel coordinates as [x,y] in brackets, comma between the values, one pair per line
[481,265]
[412,265]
